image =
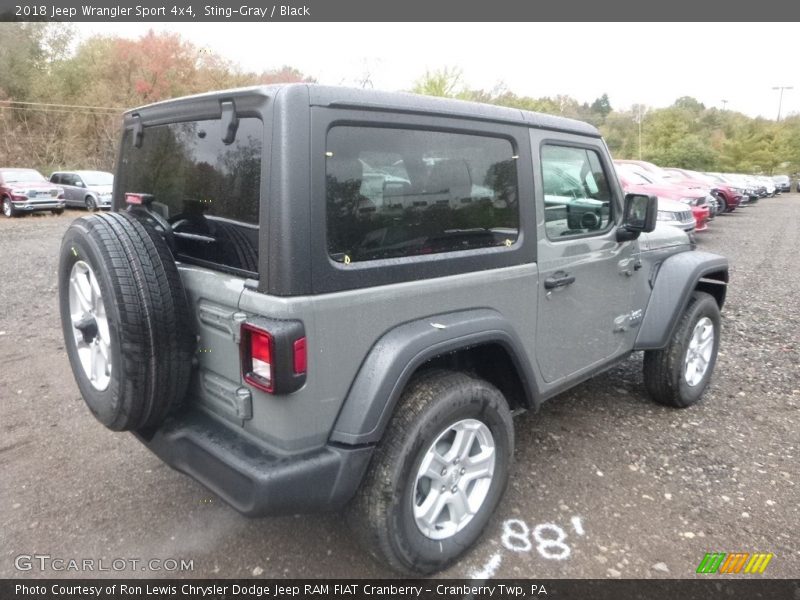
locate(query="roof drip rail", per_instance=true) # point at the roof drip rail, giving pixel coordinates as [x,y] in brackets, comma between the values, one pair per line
[230,122]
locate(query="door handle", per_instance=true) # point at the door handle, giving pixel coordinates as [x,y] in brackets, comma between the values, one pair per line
[559,279]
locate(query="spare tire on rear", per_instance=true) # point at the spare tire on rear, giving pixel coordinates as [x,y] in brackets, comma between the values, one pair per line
[126,321]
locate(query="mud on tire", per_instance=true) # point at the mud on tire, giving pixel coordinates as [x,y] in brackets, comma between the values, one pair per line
[132,276]
[382,513]
[665,370]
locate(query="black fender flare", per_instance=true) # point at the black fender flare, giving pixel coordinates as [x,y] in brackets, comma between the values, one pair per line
[671,287]
[395,357]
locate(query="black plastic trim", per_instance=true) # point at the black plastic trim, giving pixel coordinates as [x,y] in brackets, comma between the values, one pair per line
[397,355]
[251,479]
[673,284]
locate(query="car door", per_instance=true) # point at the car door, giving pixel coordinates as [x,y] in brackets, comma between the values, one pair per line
[73,190]
[55,179]
[585,288]
[63,181]
[78,190]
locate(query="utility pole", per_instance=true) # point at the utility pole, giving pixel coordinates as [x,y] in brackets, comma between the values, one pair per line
[640,131]
[724,104]
[780,98]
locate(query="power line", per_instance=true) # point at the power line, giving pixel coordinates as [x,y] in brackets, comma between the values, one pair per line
[59,110]
[109,108]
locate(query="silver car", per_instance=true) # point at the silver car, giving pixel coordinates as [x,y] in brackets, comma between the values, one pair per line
[90,189]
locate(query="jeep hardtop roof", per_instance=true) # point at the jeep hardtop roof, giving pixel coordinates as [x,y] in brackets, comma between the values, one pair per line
[361,99]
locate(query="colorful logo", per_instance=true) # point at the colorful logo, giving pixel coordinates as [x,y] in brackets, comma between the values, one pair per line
[737,562]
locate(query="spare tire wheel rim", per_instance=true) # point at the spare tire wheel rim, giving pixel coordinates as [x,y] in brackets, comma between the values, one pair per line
[698,354]
[453,479]
[90,325]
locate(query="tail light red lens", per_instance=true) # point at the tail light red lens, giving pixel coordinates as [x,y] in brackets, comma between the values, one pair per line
[300,357]
[257,353]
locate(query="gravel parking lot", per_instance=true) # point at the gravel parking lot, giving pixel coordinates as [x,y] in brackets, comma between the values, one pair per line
[605,483]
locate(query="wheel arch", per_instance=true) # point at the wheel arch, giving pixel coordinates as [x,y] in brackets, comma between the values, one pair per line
[671,287]
[478,340]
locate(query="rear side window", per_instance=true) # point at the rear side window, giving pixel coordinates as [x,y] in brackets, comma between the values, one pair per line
[208,191]
[401,192]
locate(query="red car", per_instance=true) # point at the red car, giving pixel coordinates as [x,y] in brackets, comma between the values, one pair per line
[728,197]
[698,193]
[636,180]
[26,190]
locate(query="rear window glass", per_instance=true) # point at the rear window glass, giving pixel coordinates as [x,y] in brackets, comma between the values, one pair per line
[208,191]
[401,192]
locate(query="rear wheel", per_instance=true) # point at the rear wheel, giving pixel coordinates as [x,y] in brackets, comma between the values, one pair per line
[438,473]
[125,320]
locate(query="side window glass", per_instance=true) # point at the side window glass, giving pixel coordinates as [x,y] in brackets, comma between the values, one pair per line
[55,178]
[393,193]
[577,196]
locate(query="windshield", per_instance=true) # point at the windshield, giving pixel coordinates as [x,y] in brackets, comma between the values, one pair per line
[631,176]
[22,175]
[91,178]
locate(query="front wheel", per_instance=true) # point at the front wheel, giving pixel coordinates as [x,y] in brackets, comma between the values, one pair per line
[723,204]
[678,375]
[438,473]
[8,208]
[91,205]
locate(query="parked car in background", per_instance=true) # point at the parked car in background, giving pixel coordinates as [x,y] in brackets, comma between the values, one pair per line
[89,189]
[782,182]
[728,197]
[769,185]
[758,187]
[740,191]
[670,210]
[27,190]
[743,182]
[636,180]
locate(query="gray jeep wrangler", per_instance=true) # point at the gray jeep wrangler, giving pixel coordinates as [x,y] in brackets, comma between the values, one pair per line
[313,298]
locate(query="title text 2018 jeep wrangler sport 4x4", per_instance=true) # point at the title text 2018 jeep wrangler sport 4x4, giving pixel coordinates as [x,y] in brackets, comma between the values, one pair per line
[315,298]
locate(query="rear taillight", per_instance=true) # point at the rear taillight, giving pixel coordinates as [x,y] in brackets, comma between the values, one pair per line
[300,358]
[273,354]
[257,352]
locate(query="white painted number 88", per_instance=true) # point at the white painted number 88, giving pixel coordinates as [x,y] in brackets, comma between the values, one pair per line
[550,547]
[515,536]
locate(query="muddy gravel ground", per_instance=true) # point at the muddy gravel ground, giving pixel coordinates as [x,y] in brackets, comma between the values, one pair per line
[605,483]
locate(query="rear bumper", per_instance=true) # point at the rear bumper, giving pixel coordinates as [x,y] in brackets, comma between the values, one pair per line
[250,478]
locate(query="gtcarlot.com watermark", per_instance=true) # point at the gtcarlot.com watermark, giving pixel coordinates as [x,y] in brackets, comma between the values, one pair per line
[46,562]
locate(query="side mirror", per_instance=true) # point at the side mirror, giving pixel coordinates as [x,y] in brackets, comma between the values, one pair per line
[639,215]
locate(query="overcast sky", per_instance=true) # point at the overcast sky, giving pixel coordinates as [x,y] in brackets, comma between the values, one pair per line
[648,63]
